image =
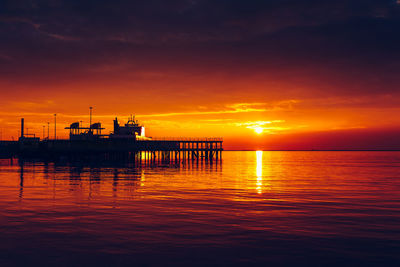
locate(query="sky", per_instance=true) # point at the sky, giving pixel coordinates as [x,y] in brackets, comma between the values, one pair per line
[262,74]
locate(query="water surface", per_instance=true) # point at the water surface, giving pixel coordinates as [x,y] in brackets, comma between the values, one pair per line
[251,208]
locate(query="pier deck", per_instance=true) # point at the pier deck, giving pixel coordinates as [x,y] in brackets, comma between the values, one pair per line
[164,149]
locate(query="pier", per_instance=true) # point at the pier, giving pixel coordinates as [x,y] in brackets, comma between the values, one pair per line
[157,150]
[125,143]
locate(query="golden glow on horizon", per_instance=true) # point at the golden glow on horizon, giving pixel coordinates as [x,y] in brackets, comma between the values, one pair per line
[259,127]
[258,130]
[243,125]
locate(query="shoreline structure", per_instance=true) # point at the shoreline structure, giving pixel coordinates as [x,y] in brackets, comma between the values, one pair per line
[127,142]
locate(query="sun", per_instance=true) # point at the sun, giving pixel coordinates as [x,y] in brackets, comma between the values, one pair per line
[258,130]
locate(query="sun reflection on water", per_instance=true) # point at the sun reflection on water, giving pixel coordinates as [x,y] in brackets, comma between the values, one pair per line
[259,171]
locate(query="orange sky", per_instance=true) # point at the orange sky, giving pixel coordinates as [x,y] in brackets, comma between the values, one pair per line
[236,116]
[323,76]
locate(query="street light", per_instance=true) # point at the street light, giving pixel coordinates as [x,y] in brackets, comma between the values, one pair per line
[55,126]
[48,130]
[90,119]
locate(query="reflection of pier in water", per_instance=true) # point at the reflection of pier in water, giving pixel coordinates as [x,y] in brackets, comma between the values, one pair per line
[21,180]
[89,181]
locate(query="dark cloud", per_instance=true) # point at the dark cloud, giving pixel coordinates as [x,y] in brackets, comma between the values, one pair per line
[332,47]
[184,20]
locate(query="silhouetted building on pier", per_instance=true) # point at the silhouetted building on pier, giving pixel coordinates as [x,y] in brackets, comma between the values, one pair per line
[132,129]
[126,142]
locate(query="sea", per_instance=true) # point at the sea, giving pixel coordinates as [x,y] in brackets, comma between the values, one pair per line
[251,208]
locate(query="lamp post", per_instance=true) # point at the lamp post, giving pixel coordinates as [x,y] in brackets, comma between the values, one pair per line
[90,119]
[48,130]
[55,126]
